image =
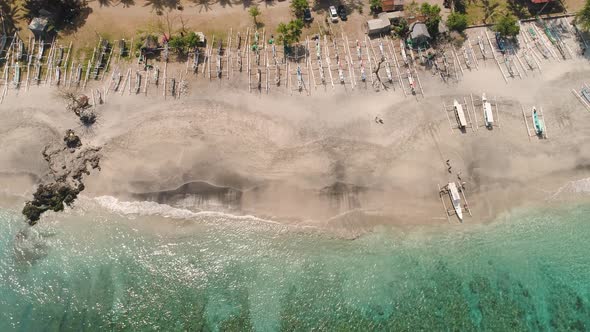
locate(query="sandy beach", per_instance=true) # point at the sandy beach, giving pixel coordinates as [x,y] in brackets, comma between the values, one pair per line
[317,161]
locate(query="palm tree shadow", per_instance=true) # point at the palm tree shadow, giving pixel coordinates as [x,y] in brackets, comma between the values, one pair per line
[204,5]
[104,3]
[127,3]
[160,5]
[10,16]
[224,3]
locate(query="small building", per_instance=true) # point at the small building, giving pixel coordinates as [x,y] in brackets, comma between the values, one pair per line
[39,25]
[150,45]
[419,35]
[202,41]
[378,26]
[392,5]
[393,17]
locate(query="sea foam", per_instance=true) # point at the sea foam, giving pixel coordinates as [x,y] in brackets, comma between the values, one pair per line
[581,186]
[147,208]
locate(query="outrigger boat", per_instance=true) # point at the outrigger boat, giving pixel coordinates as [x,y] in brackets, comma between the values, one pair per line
[195,65]
[41,49]
[318,49]
[501,43]
[363,74]
[156,76]
[259,79]
[459,114]
[481,46]
[57,75]
[3,42]
[299,79]
[16,79]
[340,71]
[411,81]
[403,49]
[79,74]
[137,82]
[37,73]
[539,128]
[358,49]
[19,50]
[466,56]
[585,92]
[388,72]
[117,81]
[321,67]
[487,111]
[173,87]
[455,199]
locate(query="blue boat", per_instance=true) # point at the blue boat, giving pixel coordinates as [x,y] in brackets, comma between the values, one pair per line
[585,92]
[539,129]
[501,43]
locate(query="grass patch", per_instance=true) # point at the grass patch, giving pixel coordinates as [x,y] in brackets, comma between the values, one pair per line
[486,12]
[84,53]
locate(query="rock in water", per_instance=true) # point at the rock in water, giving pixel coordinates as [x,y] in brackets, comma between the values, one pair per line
[49,197]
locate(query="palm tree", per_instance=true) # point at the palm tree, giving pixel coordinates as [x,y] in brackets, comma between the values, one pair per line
[489,9]
[254,12]
[10,14]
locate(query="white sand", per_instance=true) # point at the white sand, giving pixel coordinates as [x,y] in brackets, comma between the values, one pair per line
[281,151]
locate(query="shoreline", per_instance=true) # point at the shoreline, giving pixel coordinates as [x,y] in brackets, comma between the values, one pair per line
[571,194]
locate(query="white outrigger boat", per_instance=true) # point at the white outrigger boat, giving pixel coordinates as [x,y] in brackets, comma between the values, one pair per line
[455,192]
[57,75]
[488,115]
[403,49]
[455,199]
[481,47]
[459,114]
[318,49]
[583,95]
[363,74]
[41,49]
[411,81]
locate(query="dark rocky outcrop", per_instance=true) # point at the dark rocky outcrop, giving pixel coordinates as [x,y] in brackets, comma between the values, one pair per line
[68,163]
[87,117]
[52,197]
[72,140]
[81,107]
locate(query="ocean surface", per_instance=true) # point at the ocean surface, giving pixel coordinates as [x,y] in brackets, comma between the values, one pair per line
[108,265]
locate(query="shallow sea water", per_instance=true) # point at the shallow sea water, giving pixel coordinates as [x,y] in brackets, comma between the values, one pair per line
[92,269]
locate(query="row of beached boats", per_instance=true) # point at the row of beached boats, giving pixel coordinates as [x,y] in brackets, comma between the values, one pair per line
[488,114]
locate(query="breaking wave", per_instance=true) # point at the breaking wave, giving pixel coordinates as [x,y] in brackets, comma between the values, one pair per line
[148,208]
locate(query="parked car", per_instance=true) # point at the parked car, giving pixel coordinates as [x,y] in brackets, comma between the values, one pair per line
[333,14]
[342,12]
[307,15]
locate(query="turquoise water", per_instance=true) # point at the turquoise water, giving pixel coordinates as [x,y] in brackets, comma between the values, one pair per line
[100,271]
